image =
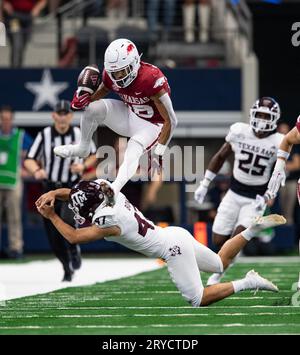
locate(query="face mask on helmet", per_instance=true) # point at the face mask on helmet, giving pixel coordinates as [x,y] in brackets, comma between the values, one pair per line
[85,198]
[264,115]
[122,62]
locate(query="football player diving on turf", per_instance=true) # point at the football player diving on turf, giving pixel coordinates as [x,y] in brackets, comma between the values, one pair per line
[123,223]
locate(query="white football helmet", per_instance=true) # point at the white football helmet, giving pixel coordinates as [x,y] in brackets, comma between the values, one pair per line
[271,110]
[122,55]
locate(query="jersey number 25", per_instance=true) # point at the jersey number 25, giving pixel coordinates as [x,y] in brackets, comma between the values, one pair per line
[252,161]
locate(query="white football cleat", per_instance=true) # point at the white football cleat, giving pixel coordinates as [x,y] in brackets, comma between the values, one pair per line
[257,282]
[214,279]
[264,222]
[70,150]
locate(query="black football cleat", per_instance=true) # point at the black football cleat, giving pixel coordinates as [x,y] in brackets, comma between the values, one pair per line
[75,256]
[69,273]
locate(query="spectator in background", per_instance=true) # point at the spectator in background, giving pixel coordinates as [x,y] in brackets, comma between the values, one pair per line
[189,19]
[288,192]
[18,17]
[13,146]
[56,172]
[1,11]
[117,9]
[53,5]
[152,17]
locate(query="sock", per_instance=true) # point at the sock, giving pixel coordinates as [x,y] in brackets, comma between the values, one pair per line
[129,166]
[249,233]
[240,285]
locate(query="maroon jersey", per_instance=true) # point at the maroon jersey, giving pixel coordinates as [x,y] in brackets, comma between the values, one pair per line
[149,81]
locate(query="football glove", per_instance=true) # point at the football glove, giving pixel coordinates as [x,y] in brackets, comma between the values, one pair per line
[80,102]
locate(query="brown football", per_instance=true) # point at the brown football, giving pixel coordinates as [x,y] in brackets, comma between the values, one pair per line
[89,79]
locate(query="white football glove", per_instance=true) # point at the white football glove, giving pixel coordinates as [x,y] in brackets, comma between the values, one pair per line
[260,204]
[201,192]
[277,179]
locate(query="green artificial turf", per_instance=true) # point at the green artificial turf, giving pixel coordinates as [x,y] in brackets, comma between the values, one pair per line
[149,303]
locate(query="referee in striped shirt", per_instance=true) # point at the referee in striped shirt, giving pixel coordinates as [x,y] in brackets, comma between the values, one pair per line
[55,173]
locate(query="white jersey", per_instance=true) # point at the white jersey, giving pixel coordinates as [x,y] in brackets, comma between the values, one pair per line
[137,233]
[184,256]
[253,157]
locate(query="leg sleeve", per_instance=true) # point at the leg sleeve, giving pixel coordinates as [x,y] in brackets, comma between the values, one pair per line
[93,116]
[129,166]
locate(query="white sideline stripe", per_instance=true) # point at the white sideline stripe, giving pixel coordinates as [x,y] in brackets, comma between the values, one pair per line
[203,325]
[269,259]
[147,315]
[155,307]
[163,307]
[37,277]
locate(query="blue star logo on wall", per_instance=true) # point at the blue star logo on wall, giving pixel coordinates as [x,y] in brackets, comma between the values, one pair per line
[46,91]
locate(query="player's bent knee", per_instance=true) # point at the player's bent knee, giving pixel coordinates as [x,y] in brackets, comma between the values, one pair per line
[220,267]
[96,110]
[195,300]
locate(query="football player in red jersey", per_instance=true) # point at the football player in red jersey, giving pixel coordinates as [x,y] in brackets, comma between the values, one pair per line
[145,114]
[279,176]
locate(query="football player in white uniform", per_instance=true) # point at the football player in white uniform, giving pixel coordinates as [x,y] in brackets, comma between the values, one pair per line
[125,224]
[255,147]
[278,176]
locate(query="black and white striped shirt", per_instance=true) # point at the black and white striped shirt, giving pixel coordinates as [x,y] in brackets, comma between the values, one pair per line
[57,168]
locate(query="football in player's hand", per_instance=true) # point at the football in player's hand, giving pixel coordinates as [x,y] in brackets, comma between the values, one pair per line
[88,80]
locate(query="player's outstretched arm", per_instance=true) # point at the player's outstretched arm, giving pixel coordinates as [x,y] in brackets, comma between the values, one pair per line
[164,105]
[81,235]
[291,138]
[213,167]
[278,177]
[50,197]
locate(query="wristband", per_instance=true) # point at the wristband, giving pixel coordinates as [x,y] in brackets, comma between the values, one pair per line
[282,154]
[209,175]
[208,178]
[160,149]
